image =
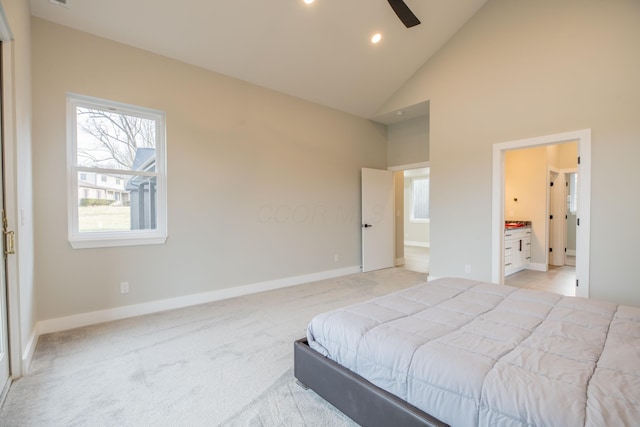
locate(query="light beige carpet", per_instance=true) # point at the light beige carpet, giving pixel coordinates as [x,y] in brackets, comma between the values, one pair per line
[226,363]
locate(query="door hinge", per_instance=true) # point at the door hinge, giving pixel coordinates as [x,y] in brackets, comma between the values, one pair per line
[9,236]
[577,283]
[578,159]
[578,221]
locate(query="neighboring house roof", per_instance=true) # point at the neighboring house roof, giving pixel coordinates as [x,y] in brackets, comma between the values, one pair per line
[143,157]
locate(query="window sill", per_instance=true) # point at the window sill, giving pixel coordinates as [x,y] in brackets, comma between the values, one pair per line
[419,221]
[88,242]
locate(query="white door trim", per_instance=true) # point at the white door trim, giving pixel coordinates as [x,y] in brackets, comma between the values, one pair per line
[409,166]
[583,235]
[11,197]
[400,168]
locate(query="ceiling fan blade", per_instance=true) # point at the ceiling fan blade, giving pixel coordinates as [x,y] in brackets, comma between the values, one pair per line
[404,13]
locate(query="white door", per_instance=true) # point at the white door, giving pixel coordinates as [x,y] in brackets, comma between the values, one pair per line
[4,335]
[377,219]
[4,330]
[556,219]
[571,179]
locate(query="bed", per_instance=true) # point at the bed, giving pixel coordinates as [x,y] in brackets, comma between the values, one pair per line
[467,353]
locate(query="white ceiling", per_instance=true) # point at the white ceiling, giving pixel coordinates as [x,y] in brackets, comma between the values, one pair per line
[321,53]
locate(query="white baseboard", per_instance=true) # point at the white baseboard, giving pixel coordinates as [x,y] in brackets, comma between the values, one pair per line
[29,350]
[399,262]
[536,266]
[116,313]
[419,244]
[571,252]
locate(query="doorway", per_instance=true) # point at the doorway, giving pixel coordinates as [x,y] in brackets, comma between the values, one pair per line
[416,219]
[535,197]
[571,183]
[562,217]
[412,227]
[583,183]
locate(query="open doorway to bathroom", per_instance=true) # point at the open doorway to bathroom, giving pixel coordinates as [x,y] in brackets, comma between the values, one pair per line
[503,209]
[540,185]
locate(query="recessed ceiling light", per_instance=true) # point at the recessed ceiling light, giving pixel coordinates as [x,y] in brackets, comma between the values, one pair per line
[308,1]
[376,38]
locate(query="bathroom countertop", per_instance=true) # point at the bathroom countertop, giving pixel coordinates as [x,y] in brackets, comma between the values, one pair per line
[512,225]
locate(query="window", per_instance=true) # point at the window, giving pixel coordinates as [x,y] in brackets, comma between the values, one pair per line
[125,145]
[572,198]
[420,199]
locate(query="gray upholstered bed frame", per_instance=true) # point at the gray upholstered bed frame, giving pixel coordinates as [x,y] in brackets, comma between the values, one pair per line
[360,400]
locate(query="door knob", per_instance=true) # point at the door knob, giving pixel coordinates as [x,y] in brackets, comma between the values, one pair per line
[366,225]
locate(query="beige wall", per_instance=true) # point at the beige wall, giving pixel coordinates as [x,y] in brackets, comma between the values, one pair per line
[567,156]
[398,188]
[18,167]
[261,185]
[526,69]
[408,142]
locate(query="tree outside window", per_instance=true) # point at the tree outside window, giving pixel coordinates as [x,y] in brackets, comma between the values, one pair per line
[124,146]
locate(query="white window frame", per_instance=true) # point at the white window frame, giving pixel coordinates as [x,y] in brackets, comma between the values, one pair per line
[412,218]
[572,198]
[79,239]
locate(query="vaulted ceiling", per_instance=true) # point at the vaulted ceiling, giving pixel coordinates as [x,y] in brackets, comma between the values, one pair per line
[320,52]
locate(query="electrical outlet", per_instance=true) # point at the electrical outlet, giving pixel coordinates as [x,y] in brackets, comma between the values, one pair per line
[467,269]
[124,287]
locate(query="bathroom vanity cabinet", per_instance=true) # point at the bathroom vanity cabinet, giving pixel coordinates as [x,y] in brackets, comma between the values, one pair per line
[517,249]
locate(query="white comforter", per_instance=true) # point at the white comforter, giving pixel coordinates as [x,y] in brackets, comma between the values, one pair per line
[473,353]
